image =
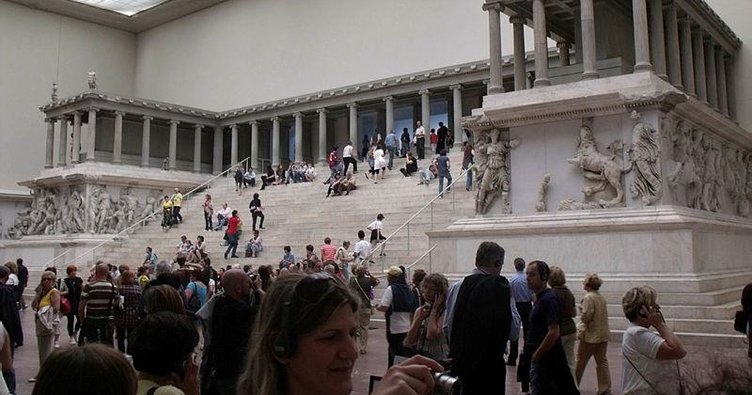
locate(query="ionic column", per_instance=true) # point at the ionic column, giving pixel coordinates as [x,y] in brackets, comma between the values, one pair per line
[457,110]
[425,112]
[173,154]
[76,152]
[587,22]
[518,32]
[563,53]
[711,77]
[322,135]
[197,147]
[389,104]
[146,140]
[49,153]
[91,145]
[721,71]
[62,141]
[687,58]
[494,8]
[698,49]
[298,136]
[354,125]
[541,46]
[117,141]
[672,44]
[254,144]
[641,40]
[233,145]
[275,142]
[217,150]
[730,86]
[657,40]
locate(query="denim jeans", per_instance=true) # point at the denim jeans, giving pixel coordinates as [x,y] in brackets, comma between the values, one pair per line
[392,151]
[469,181]
[448,176]
[232,244]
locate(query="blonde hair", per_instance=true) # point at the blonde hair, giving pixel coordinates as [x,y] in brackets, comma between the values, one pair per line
[635,299]
[12,267]
[592,281]
[48,274]
[557,277]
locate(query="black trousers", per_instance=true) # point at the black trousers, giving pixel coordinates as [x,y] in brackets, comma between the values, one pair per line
[420,147]
[350,160]
[396,347]
[176,214]
[258,214]
[524,309]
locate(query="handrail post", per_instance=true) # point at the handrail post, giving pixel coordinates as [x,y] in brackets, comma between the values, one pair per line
[408,239]
[454,205]
[431,215]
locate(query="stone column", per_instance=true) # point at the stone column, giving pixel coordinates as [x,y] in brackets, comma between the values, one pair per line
[217,165]
[711,77]
[91,145]
[672,44]
[76,151]
[197,147]
[389,104]
[48,158]
[322,135]
[641,40]
[587,21]
[117,141]
[457,111]
[233,145]
[173,154]
[699,61]
[494,8]
[657,40]
[275,142]
[425,112]
[146,140]
[687,57]
[354,126]
[541,45]
[254,144]
[63,141]
[730,86]
[722,90]
[298,136]
[518,31]
[563,53]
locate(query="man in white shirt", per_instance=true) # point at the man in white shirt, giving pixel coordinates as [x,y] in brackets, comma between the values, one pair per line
[398,303]
[347,157]
[363,247]
[420,140]
[222,216]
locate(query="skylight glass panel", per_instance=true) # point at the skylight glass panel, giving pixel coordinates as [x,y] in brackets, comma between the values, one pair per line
[125,7]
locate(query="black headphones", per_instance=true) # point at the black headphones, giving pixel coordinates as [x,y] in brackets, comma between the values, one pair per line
[543,270]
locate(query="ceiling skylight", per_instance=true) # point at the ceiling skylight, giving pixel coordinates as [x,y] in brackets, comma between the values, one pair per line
[125,7]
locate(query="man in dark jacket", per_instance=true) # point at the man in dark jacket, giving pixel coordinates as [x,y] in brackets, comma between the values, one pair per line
[399,304]
[11,321]
[23,281]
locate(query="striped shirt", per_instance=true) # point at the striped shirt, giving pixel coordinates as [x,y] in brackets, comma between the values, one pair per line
[100,298]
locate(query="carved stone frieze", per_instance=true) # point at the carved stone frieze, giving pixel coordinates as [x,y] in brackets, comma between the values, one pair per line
[540,205]
[493,169]
[645,160]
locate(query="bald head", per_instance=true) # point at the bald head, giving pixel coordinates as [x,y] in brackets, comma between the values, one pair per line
[236,284]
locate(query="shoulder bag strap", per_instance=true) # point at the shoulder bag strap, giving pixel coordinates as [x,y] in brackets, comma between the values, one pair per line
[640,373]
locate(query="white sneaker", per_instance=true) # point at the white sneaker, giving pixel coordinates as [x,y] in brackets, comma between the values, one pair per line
[57,345]
[72,341]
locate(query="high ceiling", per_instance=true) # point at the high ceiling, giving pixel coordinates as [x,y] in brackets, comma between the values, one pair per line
[129,15]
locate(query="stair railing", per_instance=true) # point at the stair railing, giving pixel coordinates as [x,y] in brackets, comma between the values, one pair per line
[52,262]
[429,205]
[415,262]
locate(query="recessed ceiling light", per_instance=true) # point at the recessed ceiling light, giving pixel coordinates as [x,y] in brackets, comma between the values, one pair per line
[125,7]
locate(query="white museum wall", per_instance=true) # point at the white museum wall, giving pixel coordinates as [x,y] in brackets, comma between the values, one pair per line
[37,49]
[241,52]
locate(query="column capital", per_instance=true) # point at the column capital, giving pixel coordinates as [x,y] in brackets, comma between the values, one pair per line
[388,98]
[234,126]
[198,126]
[486,82]
[174,122]
[76,113]
[496,5]
[321,110]
[147,118]
[297,114]
[560,44]
[63,117]
[456,86]
[120,113]
[424,92]
[352,105]
[517,19]
[50,120]
[254,122]
[92,109]
[274,119]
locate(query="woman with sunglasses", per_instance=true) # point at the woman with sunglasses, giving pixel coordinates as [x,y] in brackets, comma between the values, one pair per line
[304,342]
[46,304]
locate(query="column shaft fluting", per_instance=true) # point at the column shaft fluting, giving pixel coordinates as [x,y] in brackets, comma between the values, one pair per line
[712,77]
[62,158]
[217,150]
[354,126]
[197,147]
[298,137]
[687,57]
[698,49]
[389,105]
[587,21]
[541,44]
[518,33]
[721,71]
[425,113]
[322,135]
[641,39]
[275,142]
[457,111]
[494,36]
[117,141]
[730,87]
[91,144]
[76,149]
[49,153]
[233,145]
[657,38]
[145,141]
[254,144]
[173,153]
[672,44]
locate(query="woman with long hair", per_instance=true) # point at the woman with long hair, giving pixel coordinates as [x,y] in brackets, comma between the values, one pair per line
[46,304]
[126,318]
[426,334]
[75,285]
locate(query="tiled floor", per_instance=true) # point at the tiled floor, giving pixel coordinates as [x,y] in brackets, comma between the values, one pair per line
[374,363]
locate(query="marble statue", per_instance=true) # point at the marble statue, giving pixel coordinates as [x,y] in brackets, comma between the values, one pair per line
[149,208]
[601,172]
[104,207]
[53,95]
[76,210]
[92,210]
[645,158]
[21,225]
[92,80]
[116,220]
[540,205]
[712,180]
[494,177]
[130,206]
[736,180]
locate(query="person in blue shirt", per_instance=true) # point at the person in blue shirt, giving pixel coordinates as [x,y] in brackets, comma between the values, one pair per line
[391,147]
[287,259]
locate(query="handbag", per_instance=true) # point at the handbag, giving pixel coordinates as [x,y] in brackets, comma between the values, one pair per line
[740,322]
[65,305]
[46,321]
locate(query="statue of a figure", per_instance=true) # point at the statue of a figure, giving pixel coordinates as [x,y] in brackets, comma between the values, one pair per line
[695,188]
[117,219]
[75,212]
[599,169]
[712,180]
[495,177]
[104,206]
[61,221]
[645,155]
[736,176]
[37,215]
[21,225]
[53,95]
[149,208]
[130,206]
[93,209]
[50,215]
[92,80]
[540,205]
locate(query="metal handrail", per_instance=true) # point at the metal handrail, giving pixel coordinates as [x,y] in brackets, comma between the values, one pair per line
[430,203]
[187,195]
[415,262]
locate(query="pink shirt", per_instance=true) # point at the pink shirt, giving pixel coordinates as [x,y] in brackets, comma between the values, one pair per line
[328,252]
